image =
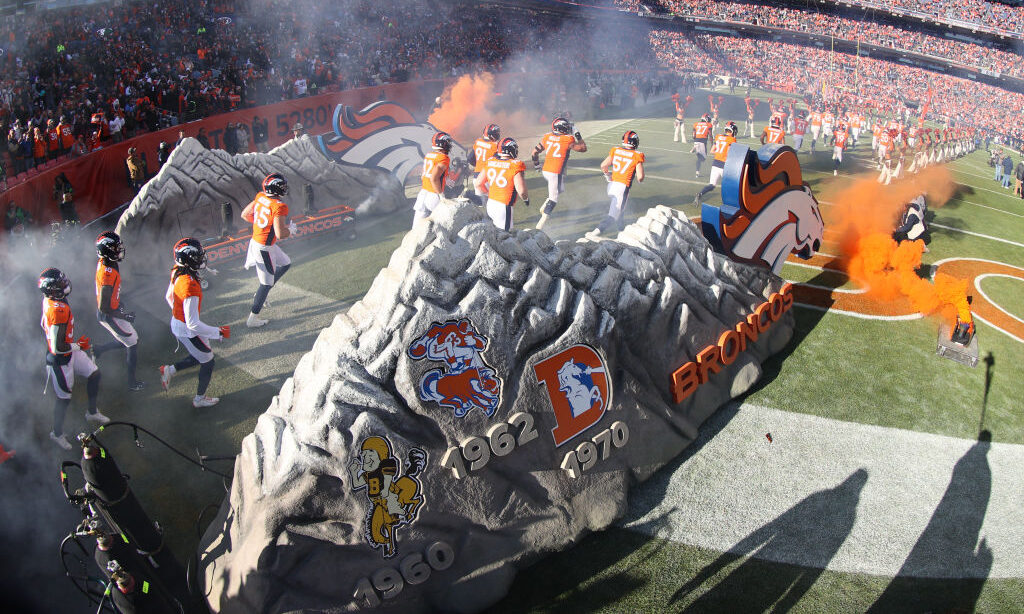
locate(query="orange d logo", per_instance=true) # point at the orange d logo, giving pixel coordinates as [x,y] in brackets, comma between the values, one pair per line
[578,387]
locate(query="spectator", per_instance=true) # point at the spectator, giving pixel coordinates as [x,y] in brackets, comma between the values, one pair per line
[64,194]
[259,134]
[1019,186]
[15,217]
[116,126]
[230,139]
[243,137]
[202,138]
[163,152]
[1007,170]
[298,130]
[136,169]
[80,148]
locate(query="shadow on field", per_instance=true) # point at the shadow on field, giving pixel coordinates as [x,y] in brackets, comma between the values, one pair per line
[536,588]
[950,541]
[803,532]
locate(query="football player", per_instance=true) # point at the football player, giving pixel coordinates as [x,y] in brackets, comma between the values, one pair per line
[268,215]
[773,132]
[815,128]
[622,165]
[483,150]
[435,174]
[799,129]
[839,140]
[502,179]
[556,146]
[701,133]
[185,297]
[720,151]
[65,357]
[109,309]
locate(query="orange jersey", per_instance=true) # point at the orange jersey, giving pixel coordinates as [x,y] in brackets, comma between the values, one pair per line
[884,139]
[56,313]
[816,119]
[185,286]
[840,137]
[856,121]
[828,119]
[54,138]
[432,160]
[721,147]
[484,149]
[556,151]
[800,126]
[624,163]
[500,175]
[108,276]
[702,130]
[264,209]
[774,135]
[67,137]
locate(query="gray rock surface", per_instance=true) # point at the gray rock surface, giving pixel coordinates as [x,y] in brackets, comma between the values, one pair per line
[295,533]
[184,198]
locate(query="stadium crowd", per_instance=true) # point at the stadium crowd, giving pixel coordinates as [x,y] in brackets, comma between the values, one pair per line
[107,72]
[976,14]
[868,31]
[874,84]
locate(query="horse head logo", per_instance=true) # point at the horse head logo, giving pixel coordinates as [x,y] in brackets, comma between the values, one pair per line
[384,135]
[767,211]
[464,381]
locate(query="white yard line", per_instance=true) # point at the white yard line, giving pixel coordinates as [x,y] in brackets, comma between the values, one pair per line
[847,497]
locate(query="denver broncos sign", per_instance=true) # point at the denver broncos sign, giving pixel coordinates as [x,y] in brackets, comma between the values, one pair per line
[384,135]
[767,211]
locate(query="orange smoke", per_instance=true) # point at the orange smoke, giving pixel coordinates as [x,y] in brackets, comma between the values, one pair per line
[865,214]
[465,110]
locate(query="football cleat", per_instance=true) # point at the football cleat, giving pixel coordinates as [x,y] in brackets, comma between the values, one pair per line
[136,386]
[204,401]
[166,371]
[255,321]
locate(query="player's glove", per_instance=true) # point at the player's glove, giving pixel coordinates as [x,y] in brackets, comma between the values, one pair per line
[84,343]
[608,177]
[536,164]
[578,136]
[526,201]
[292,228]
[225,332]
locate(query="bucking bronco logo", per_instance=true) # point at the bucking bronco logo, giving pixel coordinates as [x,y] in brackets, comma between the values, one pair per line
[394,498]
[384,135]
[767,211]
[579,388]
[465,381]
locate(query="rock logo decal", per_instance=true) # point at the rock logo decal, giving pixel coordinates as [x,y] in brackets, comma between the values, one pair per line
[767,211]
[465,381]
[579,389]
[395,496]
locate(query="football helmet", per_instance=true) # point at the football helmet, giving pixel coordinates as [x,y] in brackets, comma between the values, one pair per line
[776,121]
[631,139]
[109,246]
[275,184]
[706,117]
[731,129]
[509,147]
[189,254]
[493,132]
[561,126]
[441,141]
[54,284]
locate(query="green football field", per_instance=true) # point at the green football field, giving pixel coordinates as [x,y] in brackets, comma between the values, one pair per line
[839,372]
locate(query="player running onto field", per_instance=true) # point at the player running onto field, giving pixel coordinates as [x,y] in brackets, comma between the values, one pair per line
[268,214]
[502,179]
[109,309]
[556,146]
[620,168]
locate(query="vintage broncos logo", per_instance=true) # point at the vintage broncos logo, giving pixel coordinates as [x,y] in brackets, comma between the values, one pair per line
[767,211]
[384,135]
[465,381]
